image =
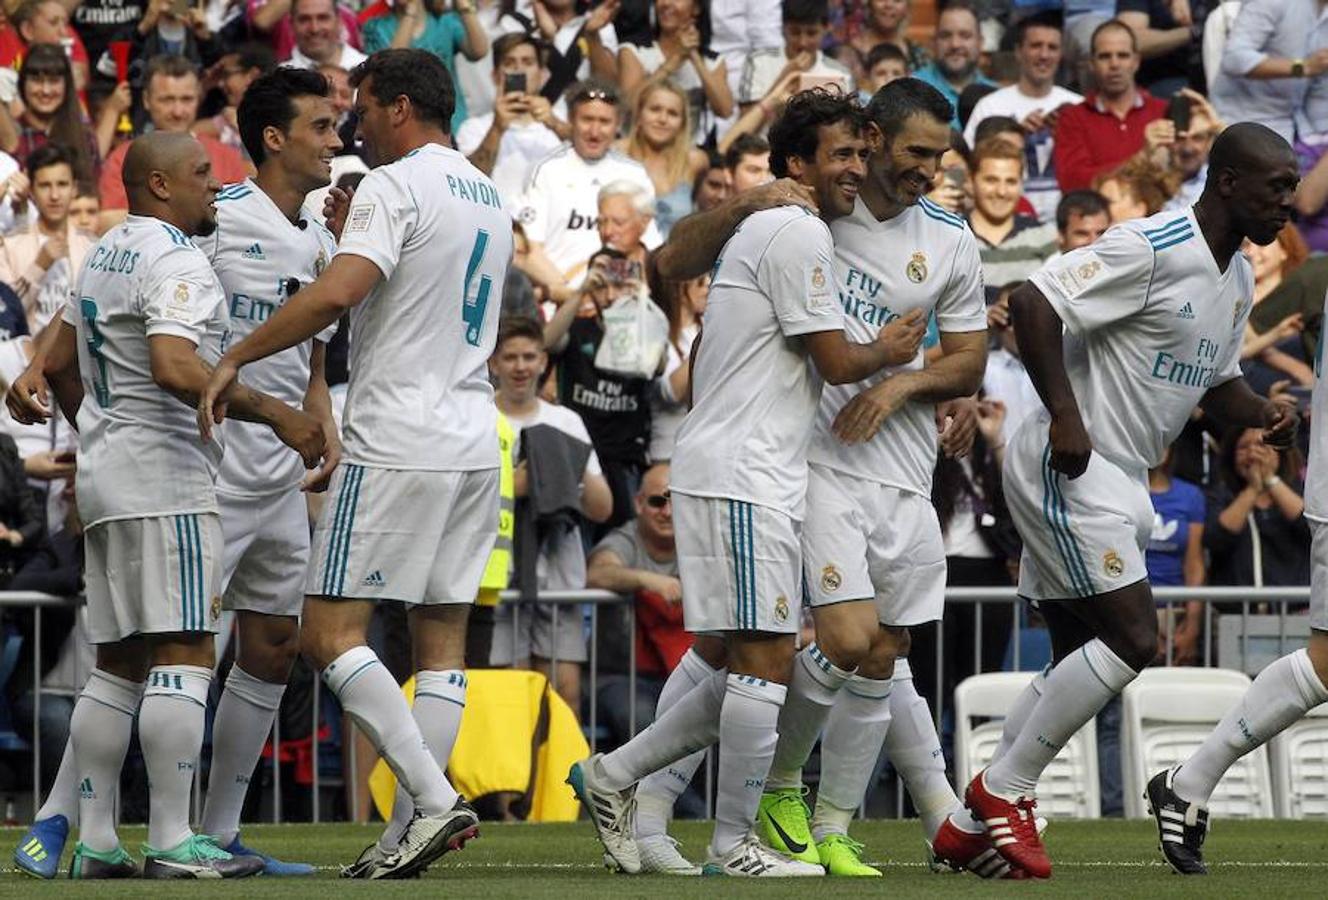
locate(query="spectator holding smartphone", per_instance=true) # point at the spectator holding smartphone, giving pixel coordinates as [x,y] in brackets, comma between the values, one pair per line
[521,130]
[176,28]
[805,25]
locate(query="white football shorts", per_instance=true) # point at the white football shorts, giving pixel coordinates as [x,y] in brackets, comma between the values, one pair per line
[267,552]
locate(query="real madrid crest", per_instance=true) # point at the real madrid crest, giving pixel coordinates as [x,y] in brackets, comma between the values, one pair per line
[1089,270]
[781,608]
[320,264]
[830,579]
[1112,564]
[215,611]
[818,279]
[916,270]
[181,292]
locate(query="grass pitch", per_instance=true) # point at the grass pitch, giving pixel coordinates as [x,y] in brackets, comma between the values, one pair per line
[1110,858]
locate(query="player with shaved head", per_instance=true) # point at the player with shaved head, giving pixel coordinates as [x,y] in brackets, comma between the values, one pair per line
[127,363]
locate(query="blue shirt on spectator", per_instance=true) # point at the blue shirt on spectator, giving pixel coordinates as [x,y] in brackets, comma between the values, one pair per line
[1174,511]
[932,75]
[443,36]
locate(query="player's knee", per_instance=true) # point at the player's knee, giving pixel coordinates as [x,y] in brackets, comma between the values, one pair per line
[1136,645]
[272,657]
[846,648]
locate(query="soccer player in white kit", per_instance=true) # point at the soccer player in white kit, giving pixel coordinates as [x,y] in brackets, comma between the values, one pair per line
[265,243]
[739,486]
[128,362]
[413,509]
[1122,339]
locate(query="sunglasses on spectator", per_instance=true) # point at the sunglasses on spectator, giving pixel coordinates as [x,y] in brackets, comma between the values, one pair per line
[658,501]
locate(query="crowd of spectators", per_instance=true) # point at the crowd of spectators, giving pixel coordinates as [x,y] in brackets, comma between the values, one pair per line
[603,124]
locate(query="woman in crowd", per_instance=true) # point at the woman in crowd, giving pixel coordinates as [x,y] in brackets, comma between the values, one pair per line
[1256,532]
[51,112]
[886,23]
[1135,190]
[678,54]
[1288,292]
[430,26]
[684,302]
[661,140]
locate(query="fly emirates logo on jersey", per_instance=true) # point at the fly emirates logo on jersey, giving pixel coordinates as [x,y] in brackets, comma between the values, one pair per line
[859,295]
[1196,373]
[248,308]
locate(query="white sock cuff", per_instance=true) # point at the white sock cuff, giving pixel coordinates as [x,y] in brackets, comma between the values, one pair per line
[694,667]
[1307,680]
[444,684]
[869,688]
[347,667]
[823,671]
[254,691]
[757,689]
[1109,668]
[903,671]
[113,691]
[189,683]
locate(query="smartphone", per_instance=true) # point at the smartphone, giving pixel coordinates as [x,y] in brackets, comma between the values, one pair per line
[808,82]
[622,271]
[180,8]
[1178,111]
[956,175]
[514,83]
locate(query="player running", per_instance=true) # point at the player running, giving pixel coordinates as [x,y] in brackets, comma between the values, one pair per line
[739,485]
[413,510]
[265,245]
[1122,339]
[126,363]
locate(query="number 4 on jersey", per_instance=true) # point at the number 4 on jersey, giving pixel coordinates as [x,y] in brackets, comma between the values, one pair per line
[475,301]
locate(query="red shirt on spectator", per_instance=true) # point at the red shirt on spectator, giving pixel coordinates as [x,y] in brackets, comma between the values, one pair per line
[1091,139]
[661,639]
[227,167]
[374,10]
[12,47]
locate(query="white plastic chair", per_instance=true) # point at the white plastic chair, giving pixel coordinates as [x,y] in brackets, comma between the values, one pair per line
[1068,788]
[1166,714]
[1299,757]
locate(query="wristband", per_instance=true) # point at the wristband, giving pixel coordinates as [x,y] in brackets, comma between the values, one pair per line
[1271,482]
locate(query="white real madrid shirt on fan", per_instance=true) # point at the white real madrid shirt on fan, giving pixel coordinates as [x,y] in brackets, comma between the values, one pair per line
[139,453]
[560,208]
[1151,324]
[419,395]
[754,391]
[925,259]
[256,252]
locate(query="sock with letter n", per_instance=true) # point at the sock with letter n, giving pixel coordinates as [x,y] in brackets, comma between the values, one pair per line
[914,748]
[243,722]
[748,725]
[440,698]
[689,725]
[854,733]
[658,791]
[816,684]
[170,728]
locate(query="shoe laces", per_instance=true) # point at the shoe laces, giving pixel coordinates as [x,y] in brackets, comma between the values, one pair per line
[1025,823]
[205,847]
[798,799]
[855,847]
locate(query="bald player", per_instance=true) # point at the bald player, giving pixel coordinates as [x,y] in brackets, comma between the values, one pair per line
[127,365]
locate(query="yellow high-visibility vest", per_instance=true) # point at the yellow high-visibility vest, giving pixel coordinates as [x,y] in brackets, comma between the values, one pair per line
[500,560]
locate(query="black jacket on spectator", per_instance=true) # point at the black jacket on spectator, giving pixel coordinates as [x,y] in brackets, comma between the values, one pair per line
[1283,544]
[615,408]
[19,510]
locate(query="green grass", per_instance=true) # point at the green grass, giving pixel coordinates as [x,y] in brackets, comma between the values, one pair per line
[1093,859]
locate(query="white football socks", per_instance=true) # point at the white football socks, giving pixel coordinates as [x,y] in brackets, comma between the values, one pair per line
[1282,694]
[99,732]
[854,733]
[1076,690]
[63,798]
[659,790]
[440,698]
[815,685]
[170,730]
[372,698]
[243,722]
[748,726]
[1020,711]
[689,725]
[912,745]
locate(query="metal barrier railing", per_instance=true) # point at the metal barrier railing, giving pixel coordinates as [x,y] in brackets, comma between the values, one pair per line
[979,597]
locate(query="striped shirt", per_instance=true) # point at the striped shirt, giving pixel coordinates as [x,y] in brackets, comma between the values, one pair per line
[1028,245]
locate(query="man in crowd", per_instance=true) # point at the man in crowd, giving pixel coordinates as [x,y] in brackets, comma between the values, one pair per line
[39,262]
[506,143]
[420,482]
[559,210]
[1013,245]
[171,95]
[1185,152]
[804,24]
[1034,101]
[318,37]
[748,163]
[958,44]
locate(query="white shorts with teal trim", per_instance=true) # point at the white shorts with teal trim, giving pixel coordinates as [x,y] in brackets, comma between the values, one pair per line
[864,540]
[740,565]
[404,534]
[1083,537]
[159,575]
[1318,575]
[267,552]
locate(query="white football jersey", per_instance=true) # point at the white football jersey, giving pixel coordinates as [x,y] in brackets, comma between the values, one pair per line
[256,252]
[926,259]
[1316,479]
[1151,325]
[560,208]
[754,390]
[139,453]
[419,394]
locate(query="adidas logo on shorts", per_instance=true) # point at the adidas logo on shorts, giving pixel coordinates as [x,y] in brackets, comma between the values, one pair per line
[374,579]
